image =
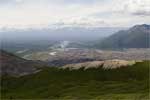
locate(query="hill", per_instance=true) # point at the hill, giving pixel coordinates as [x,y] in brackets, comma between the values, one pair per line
[130,83]
[16,66]
[135,37]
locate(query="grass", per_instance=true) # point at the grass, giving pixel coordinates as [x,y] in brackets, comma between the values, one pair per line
[130,82]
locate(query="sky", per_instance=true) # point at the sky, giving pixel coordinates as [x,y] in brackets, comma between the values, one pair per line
[73,13]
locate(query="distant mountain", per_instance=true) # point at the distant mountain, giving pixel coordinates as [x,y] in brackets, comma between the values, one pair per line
[16,66]
[136,37]
[68,33]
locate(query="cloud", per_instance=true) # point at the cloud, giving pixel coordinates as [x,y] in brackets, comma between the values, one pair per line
[135,7]
[88,13]
[142,13]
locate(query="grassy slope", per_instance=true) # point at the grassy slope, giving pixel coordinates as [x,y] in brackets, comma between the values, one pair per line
[123,83]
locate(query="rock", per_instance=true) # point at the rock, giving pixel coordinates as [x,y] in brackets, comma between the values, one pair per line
[107,64]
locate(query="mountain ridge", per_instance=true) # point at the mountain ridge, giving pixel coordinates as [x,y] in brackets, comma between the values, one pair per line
[16,66]
[135,37]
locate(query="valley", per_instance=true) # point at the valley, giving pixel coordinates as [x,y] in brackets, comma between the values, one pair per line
[111,68]
[89,55]
[74,49]
[129,44]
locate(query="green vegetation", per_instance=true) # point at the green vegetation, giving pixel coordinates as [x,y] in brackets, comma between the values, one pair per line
[130,83]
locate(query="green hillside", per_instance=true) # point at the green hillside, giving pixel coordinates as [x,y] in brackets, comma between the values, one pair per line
[130,82]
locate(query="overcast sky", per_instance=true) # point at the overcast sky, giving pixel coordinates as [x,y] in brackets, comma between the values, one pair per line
[82,13]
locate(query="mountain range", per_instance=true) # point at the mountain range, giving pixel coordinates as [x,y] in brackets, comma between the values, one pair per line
[135,37]
[62,34]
